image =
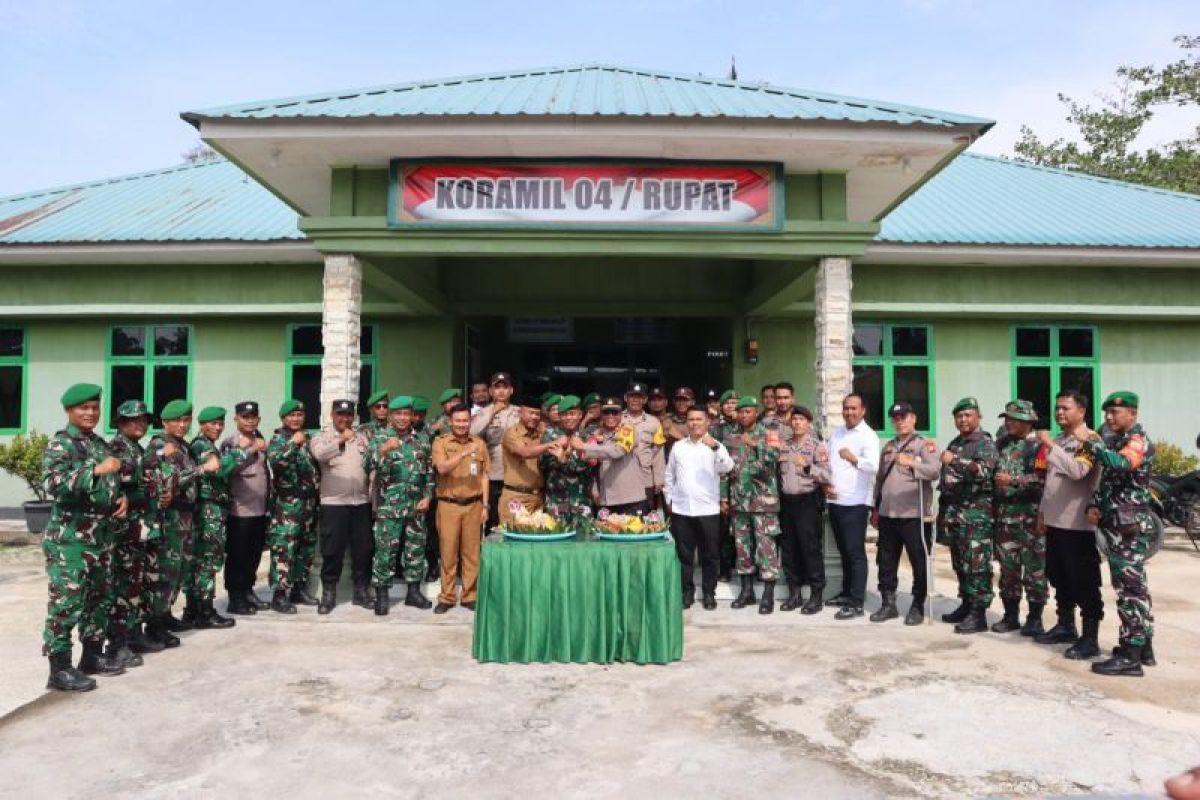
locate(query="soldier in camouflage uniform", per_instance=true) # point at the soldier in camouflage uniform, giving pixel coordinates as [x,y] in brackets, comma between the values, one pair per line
[965,515]
[751,492]
[722,429]
[172,479]
[1018,482]
[567,471]
[292,533]
[1122,506]
[401,461]
[125,638]
[82,482]
[377,406]
[446,400]
[591,415]
[208,552]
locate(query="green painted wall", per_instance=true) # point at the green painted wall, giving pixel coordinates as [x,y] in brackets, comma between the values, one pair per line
[418,356]
[786,353]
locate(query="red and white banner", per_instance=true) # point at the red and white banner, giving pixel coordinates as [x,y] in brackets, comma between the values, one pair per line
[585,195]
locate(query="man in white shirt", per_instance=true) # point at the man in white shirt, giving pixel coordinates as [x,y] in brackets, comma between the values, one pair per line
[692,489]
[853,462]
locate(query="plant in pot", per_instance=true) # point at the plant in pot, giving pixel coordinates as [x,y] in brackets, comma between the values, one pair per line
[22,457]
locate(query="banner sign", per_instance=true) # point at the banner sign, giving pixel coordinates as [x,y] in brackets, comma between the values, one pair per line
[585,195]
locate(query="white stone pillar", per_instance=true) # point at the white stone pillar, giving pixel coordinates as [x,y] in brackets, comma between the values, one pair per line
[341,327]
[834,341]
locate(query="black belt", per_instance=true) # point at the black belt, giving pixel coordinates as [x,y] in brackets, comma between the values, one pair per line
[464,502]
[520,489]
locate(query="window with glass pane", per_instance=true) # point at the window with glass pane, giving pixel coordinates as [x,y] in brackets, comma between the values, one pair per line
[307,340]
[12,380]
[868,382]
[125,382]
[129,341]
[151,363]
[12,342]
[1049,359]
[303,378]
[893,362]
[306,387]
[1033,384]
[868,340]
[171,340]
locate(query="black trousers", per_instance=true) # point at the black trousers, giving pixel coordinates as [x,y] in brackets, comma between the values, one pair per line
[1073,568]
[690,533]
[849,525]
[493,514]
[244,540]
[895,535]
[727,546]
[640,507]
[802,540]
[346,527]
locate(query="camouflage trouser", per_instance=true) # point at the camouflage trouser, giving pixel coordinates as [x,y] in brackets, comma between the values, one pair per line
[208,552]
[79,576]
[1021,551]
[754,537]
[1127,563]
[400,535]
[968,531]
[128,563]
[292,539]
[167,551]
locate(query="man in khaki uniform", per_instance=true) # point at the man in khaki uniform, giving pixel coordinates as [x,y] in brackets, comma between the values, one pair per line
[675,426]
[520,448]
[621,482]
[490,424]
[462,466]
[648,441]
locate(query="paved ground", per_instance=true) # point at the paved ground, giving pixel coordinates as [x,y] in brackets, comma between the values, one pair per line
[783,705]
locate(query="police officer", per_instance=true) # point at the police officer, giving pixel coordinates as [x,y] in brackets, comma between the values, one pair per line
[1018,483]
[620,479]
[803,471]
[648,441]
[125,636]
[212,513]
[490,424]
[292,534]
[674,423]
[779,422]
[246,528]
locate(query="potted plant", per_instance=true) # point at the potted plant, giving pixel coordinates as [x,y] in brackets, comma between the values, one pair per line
[22,457]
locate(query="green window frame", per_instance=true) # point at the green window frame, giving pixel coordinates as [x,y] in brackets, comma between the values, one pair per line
[891,362]
[1049,358]
[14,364]
[147,361]
[304,349]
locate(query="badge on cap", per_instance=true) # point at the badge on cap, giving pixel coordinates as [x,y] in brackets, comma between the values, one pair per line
[246,408]
[500,377]
[343,407]
[636,388]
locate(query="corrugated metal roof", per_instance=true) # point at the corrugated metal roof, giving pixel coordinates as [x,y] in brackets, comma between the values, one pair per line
[986,200]
[588,90]
[210,201]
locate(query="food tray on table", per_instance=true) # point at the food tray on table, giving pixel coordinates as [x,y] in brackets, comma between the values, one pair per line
[631,537]
[630,527]
[555,536]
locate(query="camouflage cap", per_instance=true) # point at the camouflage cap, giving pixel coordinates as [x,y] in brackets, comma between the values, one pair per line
[1020,410]
[1122,399]
[132,409]
[210,414]
[966,404]
[79,394]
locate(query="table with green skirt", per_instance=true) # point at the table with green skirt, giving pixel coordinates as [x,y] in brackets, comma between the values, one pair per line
[583,600]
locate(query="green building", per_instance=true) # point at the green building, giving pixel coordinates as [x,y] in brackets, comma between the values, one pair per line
[587,225]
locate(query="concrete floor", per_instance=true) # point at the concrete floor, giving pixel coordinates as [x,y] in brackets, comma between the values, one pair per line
[783,705]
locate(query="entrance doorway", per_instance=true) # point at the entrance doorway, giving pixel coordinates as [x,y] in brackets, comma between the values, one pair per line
[577,355]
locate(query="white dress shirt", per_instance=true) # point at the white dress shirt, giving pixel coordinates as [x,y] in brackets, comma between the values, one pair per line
[853,483]
[692,485]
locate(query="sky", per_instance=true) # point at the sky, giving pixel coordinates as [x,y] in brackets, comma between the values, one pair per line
[91,90]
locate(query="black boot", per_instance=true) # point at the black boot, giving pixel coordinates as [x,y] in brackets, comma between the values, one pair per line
[256,601]
[65,677]
[975,622]
[238,604]
[141,643]
[1063,631]
[958,614]
[118,651]
[381,601]
[280,603]
[839,600]
[888,609]
[916,613]
[1033,623]
[301,597]
[209,618]
[767,604]
[1011,620]
[156,630]
[184,622]
[1087,645]
[746,596]
[1148,659]
[689,598]
[94,662]
[794,600]
[815,601]
[1127,661]
[415,597]
[328,598]
[362,597]
[709,601]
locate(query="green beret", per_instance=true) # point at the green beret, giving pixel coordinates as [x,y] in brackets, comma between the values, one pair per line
[289,406]
[728,394]
[592,399]
[448,395]
[400,401]
[211,414]
[132,409]
[79,394]
[552,400]
[749,401]
[568,402]
[1020,410]
[545,396]
[966,404]
[1120,400]
[379,397]
[420,404]
[176,409]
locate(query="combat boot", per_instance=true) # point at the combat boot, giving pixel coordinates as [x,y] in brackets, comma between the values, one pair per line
[975,621]
[888,609]
[1148,659]
[1127,661]
[381,601]
[328,598]
[916,613]
[94,662]
[238,604]
[1011,620]
[256,601]
[362,597]
[301,597]
[279,602]
[141,643]
[767,604]
[793,600]
[746,596]
[118,651]
[156,629]
[1086,646]
[815,602]
[1063,631]
[415,597]
[1033,622]
[210,618]
[65,677]
[184,622]
[958,614]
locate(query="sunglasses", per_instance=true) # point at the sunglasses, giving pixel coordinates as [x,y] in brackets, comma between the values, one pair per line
[380,405]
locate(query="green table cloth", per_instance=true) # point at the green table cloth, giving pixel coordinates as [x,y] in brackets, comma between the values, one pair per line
[579,601]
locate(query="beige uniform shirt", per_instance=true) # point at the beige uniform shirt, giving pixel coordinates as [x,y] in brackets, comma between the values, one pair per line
[343,480]
[462,482]
[799,472]
[491,428]
[1072,475]
[899,490]
[648,448]
[522,474]
[619,479]
[250,484]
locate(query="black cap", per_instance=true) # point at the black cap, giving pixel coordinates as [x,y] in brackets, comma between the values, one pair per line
[803,411]
[246,408]
[343,406]
[684,393]
[711,395]
[657,392]
[610,403]
[637,388]
[500,377]
[901,409]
